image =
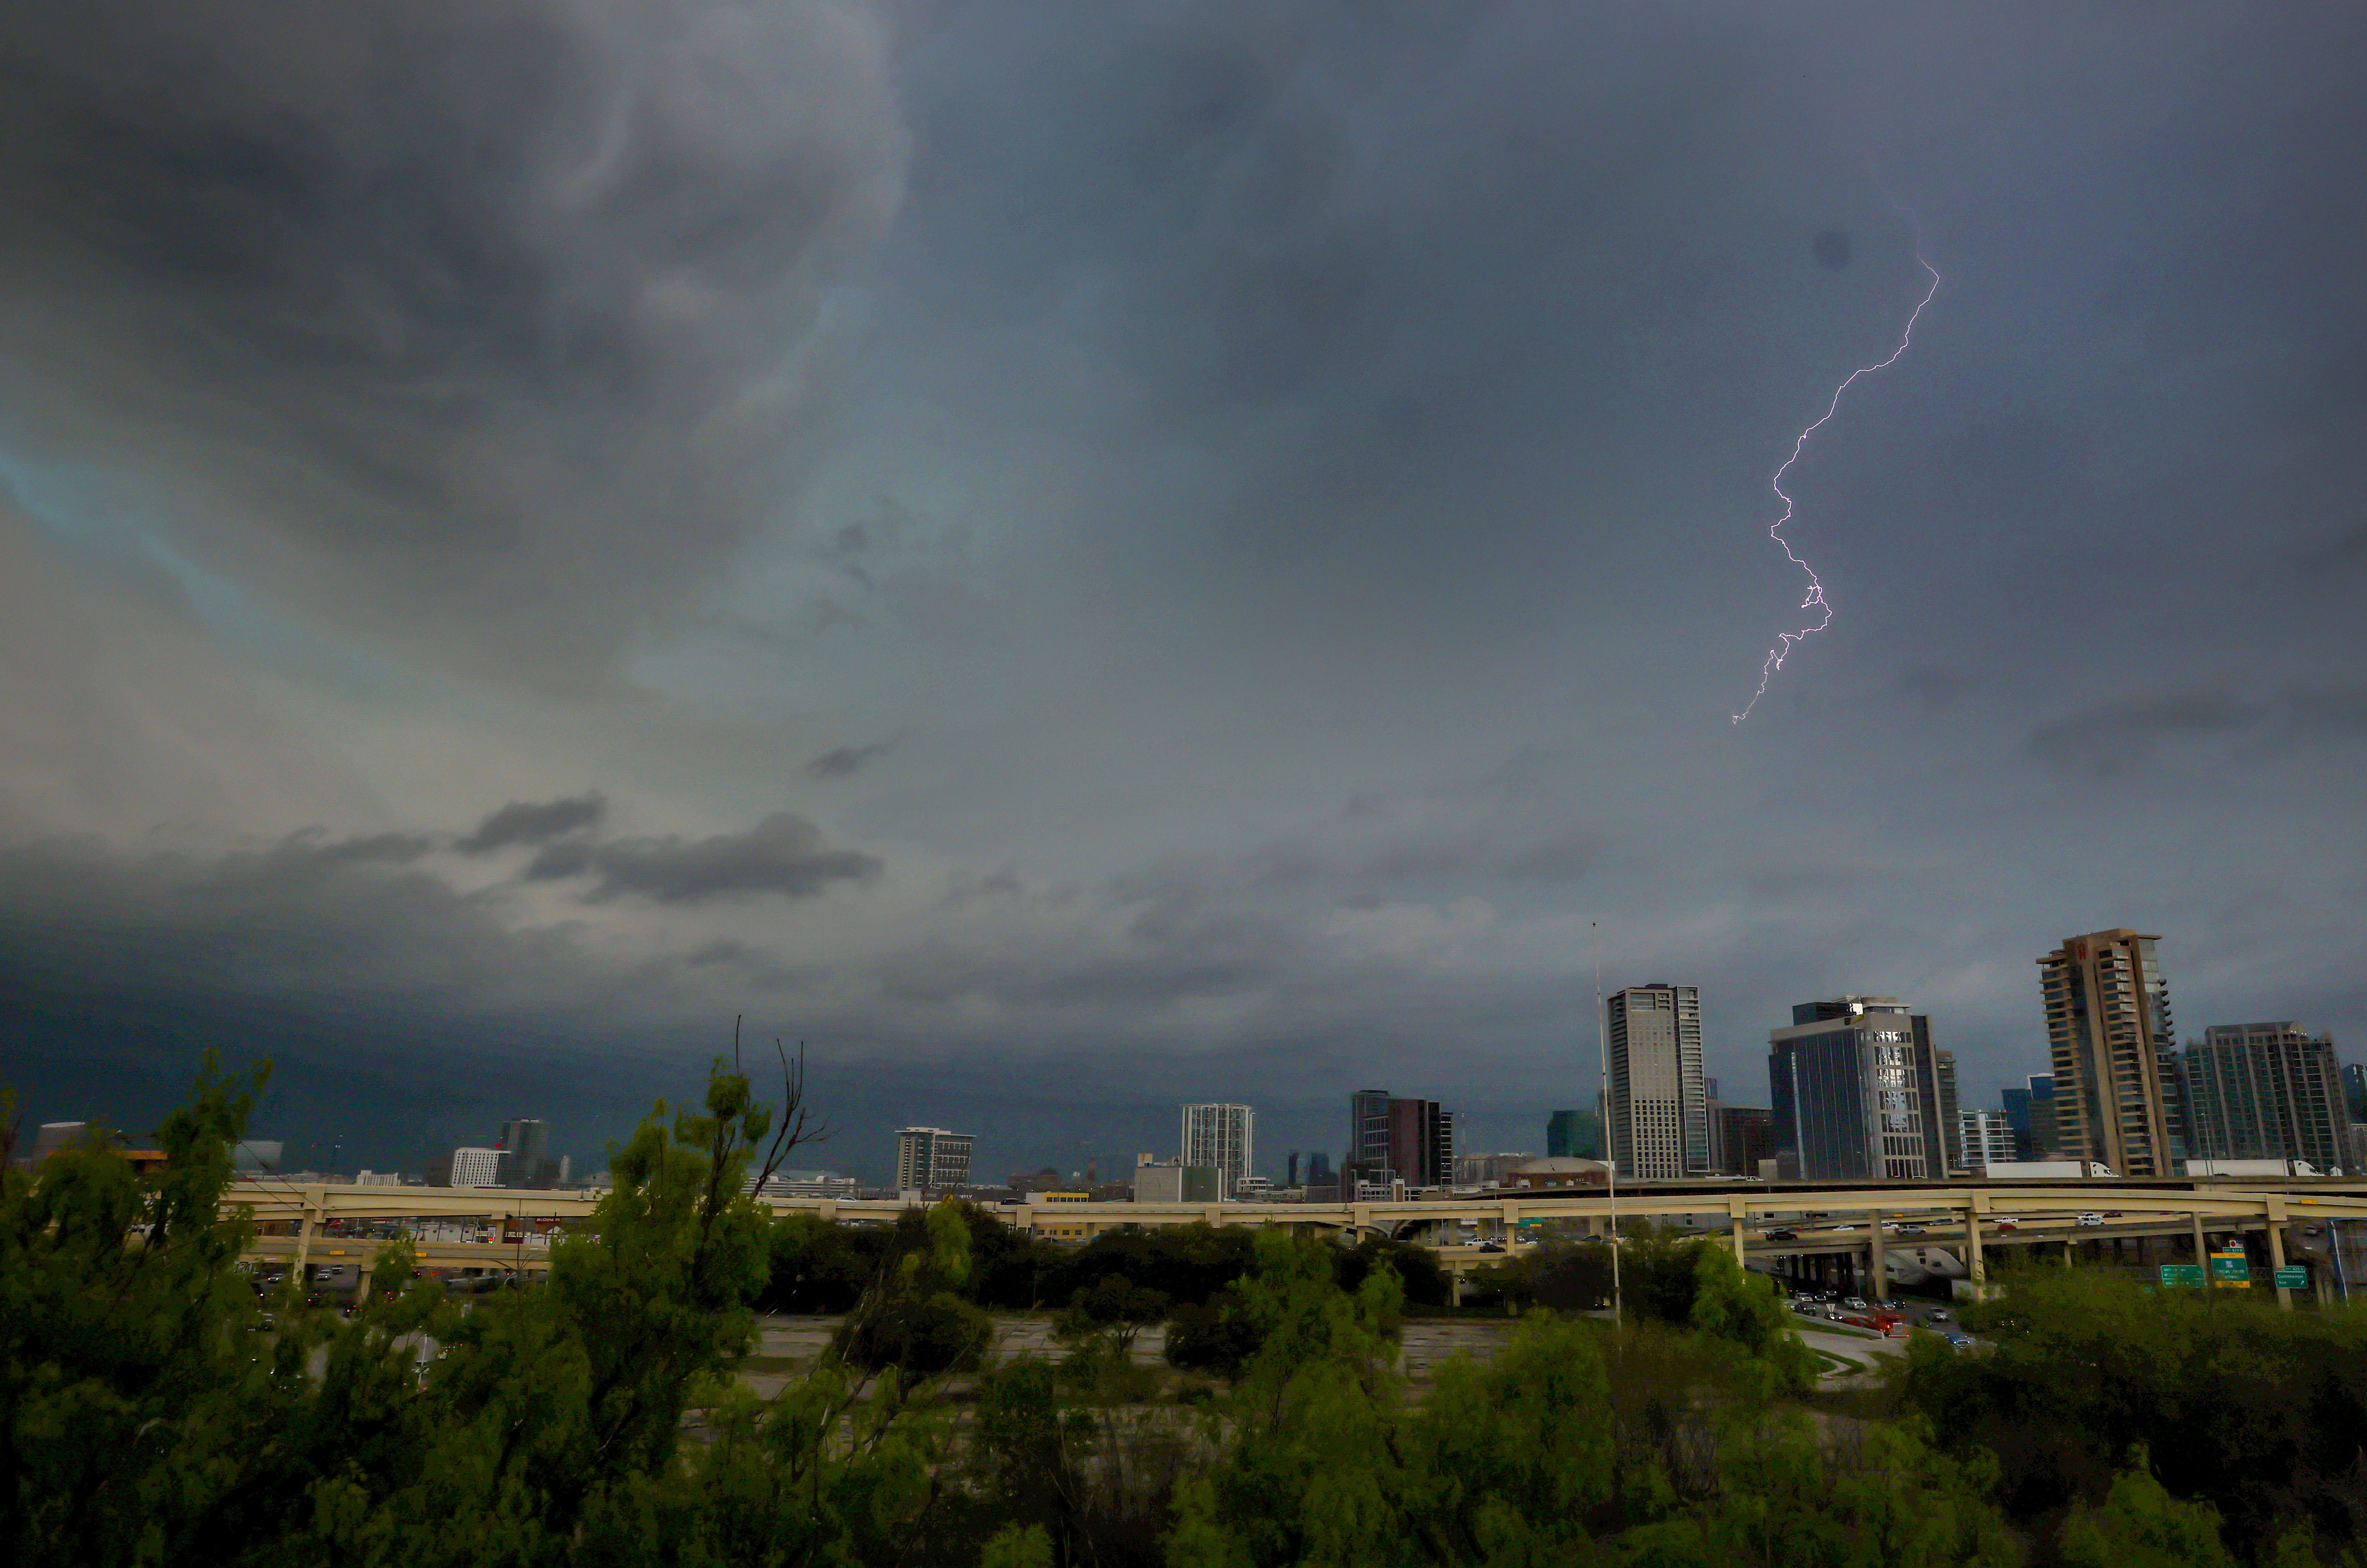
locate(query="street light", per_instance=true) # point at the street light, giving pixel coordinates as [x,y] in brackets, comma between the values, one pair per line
[1603,1043]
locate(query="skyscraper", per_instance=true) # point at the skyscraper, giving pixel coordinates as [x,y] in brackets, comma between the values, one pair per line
[930,1159]
[1368,1133]
[1943,1079]
[1421,1143]
[1574,1134]
[1221,1137]
[1746,1136]
[1851,1081]
[2355,1089]
[1659,1113]
[2030,1111]
[2265,1091]
[527,1140]
[2108,1027]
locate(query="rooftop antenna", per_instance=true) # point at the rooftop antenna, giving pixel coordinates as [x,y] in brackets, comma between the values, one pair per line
[1603,1043]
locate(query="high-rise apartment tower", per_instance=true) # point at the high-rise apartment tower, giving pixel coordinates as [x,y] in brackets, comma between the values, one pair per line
[1221,1137]
[2266,1091]
[2108,1027]
[1659,1114]
[930,1159]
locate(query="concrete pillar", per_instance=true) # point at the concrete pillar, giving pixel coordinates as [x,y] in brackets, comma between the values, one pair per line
[1975,1267]
[2202,1247]
[2067,1244]
[2277,1260]
[1736,1214]
[304,1236]
[1879,1261]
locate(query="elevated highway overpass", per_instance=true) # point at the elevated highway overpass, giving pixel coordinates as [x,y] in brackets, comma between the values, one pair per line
[1970,1214]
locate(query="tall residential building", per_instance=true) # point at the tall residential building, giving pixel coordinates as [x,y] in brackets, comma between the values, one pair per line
[2355,1089]
[1368,1132]
[2108,1026]
[1574,1134]
[2266,1091]
[1659,1114]
[930,1159]
[1221,1137]
[1850,1078]
[478,1167]
[1986,1138]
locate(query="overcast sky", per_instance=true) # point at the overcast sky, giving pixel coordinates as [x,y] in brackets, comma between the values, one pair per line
[1078,557]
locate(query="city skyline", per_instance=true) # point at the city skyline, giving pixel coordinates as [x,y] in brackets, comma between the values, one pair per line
[1182,565]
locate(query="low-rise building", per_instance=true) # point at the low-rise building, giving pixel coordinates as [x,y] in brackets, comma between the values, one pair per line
[1568,1172]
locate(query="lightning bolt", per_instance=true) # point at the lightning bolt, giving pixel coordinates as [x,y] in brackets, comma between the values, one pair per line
[1786,641]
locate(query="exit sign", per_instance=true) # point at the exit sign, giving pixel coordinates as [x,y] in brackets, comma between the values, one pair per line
[2293,1277]
[2230,1269]
[2187,1274]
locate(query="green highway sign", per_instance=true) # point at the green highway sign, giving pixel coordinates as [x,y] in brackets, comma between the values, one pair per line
[2230,1269]
[2187,1274]
[2293,1277]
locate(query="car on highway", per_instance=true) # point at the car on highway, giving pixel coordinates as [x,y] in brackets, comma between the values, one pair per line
[1941,1315]
[1491,1246]
[2005,1223]
[1855,1303]
[2089,1218]
[1779,1234]
[1913,1230]
[1960,1341]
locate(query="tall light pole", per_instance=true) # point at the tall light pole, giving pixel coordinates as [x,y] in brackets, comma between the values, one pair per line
[1602,1045]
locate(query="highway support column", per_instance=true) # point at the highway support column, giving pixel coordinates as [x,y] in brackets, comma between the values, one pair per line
[311,1199]
[1878,1262]
[2276,1209]
[1975,1268]
[2202,1247]
[1738,1212]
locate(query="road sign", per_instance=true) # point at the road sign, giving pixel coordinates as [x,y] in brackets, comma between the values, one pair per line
[2293,1277]
[2230,1269]
[2187,1274]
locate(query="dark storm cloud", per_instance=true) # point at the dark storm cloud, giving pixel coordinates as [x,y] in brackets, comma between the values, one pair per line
[534,822]
[845,761]
[784,856]
[488,315]
[2121,737]
[2118,737]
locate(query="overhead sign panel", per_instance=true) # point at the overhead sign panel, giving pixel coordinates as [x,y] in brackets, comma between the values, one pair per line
[2230,1269]
[2187,1274]
[2293,1277]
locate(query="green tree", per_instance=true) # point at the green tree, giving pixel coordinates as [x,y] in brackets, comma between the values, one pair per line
[1116,1306]
[2142,1525]
[1733,1304]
